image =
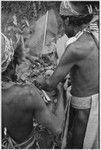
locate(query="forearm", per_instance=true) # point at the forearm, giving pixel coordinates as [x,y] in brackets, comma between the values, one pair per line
[59,115]
[52,121]
[60,109]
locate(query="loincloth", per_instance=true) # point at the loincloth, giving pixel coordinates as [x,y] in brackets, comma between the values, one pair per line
[91,139]
[81,102]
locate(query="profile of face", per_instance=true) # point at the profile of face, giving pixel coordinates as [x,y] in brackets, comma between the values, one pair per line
[69,31]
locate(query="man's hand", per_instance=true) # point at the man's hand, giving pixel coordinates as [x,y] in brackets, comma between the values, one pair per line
[40,83]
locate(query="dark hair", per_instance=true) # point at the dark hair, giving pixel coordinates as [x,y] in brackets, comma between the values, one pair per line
[10,72]
[78,21]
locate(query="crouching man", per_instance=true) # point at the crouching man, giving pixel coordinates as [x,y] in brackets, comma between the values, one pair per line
[20,104]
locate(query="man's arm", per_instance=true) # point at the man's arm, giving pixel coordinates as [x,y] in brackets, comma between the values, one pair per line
[67,61]
[51,121]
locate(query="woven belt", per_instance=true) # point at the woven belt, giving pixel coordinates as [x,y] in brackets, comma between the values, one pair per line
[81,102]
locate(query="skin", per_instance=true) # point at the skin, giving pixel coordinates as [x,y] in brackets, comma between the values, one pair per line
[23,102]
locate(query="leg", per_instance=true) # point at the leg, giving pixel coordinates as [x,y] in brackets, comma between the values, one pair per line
[78,128]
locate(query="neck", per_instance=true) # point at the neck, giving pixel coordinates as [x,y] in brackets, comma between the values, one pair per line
[80,28]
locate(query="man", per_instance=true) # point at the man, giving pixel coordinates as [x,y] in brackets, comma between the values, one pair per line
[20,104]
[81,60]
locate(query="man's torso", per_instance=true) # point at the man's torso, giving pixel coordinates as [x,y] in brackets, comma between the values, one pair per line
[84,74]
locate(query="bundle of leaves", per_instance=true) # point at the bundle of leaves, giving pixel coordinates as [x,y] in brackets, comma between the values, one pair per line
[34,67]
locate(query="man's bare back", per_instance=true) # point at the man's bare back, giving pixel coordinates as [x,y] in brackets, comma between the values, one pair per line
[20,103]
[14,104]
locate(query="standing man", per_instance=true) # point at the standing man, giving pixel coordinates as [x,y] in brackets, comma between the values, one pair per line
[81,60]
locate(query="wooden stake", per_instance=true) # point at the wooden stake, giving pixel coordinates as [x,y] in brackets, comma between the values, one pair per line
[45,31]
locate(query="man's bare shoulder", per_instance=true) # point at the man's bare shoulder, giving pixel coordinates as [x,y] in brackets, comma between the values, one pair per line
[82,47]
[15,92]
[18,89]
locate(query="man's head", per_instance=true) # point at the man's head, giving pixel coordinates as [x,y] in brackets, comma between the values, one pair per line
[10,57]
[74,15]
[7,52]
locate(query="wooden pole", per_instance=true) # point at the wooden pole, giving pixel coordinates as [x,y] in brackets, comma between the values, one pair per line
[45,31]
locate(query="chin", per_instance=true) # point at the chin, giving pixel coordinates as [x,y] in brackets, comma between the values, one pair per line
[69,33]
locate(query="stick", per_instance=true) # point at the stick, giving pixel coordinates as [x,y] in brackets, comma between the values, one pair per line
[45,31]
[63,146]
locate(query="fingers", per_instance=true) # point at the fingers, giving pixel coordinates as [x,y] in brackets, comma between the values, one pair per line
[60,88]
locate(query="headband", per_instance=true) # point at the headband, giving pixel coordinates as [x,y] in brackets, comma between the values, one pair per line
[7,52]
[66,9]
